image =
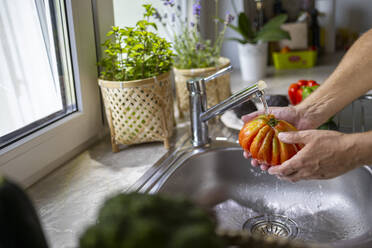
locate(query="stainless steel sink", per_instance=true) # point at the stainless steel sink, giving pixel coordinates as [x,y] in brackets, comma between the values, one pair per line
[336,213]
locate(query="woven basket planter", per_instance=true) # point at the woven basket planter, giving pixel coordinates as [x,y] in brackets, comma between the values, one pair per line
[139,111]
[217,89]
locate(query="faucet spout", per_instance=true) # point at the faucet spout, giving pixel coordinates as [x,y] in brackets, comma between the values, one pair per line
[199,114]
[234,100]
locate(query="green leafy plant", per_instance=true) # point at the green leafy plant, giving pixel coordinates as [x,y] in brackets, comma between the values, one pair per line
[133,53]
[192,50]
[271,31]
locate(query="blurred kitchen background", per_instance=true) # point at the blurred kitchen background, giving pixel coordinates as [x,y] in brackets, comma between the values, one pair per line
[341,21]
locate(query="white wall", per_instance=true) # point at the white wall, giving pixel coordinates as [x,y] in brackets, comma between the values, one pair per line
[128,12]
[354,14]
[230,48]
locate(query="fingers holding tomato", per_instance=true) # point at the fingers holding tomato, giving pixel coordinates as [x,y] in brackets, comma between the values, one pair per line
[255,162]
[322,157]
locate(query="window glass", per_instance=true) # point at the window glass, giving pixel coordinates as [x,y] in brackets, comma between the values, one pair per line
[36,85]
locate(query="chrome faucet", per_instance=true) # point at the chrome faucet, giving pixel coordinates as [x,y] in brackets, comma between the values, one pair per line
[199,114]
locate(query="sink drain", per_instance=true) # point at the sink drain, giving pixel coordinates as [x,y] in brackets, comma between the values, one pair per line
[272,225]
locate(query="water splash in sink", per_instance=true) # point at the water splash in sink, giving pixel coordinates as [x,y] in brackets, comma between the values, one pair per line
[326,224]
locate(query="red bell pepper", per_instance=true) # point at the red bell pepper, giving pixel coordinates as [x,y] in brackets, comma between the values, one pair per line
[292,90]
[302,82]
[312,83]
[299,94]
[295,90]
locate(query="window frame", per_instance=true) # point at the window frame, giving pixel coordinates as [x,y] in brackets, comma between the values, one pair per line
[34,156]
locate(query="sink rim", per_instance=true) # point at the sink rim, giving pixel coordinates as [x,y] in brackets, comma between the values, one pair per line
[172,160]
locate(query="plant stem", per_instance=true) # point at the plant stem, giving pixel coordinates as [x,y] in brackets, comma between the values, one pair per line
[215,22]
[121,58]
[234,7]
[219,41]
[143,55]
[128,56]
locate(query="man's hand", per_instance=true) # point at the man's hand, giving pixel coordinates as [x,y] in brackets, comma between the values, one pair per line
[290,114]
[326,154]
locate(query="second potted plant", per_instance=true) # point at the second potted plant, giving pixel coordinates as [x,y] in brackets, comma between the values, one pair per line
[195,56]
[252,44]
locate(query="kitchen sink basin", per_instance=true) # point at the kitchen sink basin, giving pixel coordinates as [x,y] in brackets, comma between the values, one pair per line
[335,213]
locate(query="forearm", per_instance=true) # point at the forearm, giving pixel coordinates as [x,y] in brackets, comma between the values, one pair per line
[351,79]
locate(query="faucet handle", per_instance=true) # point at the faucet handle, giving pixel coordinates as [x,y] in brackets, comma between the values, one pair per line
[218,74]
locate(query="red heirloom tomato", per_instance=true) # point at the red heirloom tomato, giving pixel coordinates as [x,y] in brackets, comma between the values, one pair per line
[259,137]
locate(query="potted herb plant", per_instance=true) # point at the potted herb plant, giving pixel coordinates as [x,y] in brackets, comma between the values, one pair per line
[252,44]
[135,82]
[195,56]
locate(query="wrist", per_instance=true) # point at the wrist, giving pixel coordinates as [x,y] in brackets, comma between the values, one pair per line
[360,146]
[308,118]
[321,105]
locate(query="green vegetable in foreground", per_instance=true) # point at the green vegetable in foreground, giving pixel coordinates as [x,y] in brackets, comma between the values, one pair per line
[141,220]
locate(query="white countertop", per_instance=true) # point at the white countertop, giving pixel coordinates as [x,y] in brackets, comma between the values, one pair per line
[69,198]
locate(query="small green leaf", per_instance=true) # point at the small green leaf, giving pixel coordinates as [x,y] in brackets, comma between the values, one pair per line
[245,26]
[238,40]
[276,22]
[153,25]
[142,24]
[272,35]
